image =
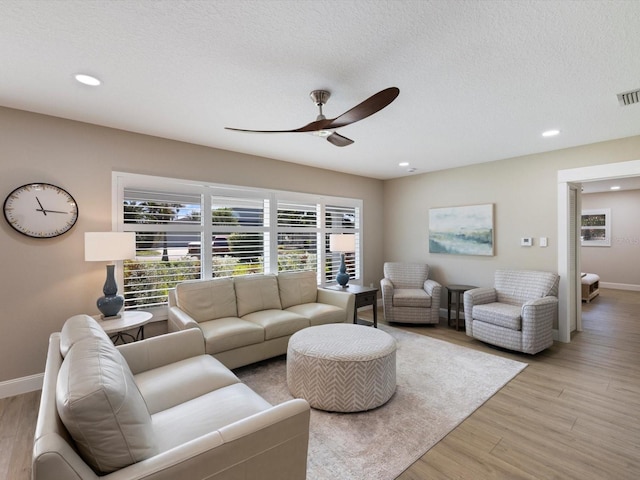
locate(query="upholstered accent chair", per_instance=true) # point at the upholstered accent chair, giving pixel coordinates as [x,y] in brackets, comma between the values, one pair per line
[408,295]
[517,313]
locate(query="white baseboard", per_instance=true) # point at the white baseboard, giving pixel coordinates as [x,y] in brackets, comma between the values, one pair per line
[22,385]
[620,286]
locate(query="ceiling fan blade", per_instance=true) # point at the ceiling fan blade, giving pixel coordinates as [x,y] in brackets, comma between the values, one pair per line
[338,140]
[371,105]
[310,127]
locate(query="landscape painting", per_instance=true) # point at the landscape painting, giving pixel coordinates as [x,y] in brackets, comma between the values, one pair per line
[461,230]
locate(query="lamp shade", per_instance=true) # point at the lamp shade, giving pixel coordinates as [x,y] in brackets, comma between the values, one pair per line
[109,246]
[339,242]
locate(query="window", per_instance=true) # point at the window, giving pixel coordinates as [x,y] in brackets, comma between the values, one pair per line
[190,230]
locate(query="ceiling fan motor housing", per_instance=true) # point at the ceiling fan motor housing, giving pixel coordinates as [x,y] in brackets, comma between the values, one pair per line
[320,97]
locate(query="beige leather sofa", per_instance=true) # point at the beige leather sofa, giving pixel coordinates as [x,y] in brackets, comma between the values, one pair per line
[158,409]
[251,318]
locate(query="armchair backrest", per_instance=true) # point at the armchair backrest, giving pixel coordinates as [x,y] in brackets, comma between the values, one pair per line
[519,286]
[406,275]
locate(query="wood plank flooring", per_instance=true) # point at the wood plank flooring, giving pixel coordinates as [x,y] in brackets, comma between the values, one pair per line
[573,413]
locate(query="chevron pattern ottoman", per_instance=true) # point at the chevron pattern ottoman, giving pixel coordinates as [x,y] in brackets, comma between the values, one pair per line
[342,367]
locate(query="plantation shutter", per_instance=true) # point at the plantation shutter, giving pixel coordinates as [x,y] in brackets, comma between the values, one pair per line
[188,230]
[297,231]
[167,227]
[238,228]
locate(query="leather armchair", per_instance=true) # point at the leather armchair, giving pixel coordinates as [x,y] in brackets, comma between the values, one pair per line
[518,313]
[408,295]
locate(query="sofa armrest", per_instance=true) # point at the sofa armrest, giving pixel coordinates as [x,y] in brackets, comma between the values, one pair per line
[180,320]
[162,350]
[344,300]
[270,445]
[476,296]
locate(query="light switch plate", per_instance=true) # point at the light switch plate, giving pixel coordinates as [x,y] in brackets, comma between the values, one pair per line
[543,241]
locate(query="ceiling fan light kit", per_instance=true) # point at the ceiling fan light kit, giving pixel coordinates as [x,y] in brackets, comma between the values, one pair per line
[323,127]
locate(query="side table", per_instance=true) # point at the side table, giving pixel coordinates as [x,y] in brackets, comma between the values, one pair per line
[457,291]
[364,296]
[129,319]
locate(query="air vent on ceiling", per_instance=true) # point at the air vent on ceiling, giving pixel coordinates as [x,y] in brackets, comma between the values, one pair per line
[629,98]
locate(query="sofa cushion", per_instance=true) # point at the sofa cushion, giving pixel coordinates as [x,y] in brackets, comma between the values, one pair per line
[78,328]
[297,288]
[228,333]
[101,407]
[499,314]
[206,414]
[277,323]
[411,297]
[255,293]
[205,300]
[318,313]
[170,385]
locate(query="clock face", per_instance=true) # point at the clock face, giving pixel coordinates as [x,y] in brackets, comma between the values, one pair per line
[40,210]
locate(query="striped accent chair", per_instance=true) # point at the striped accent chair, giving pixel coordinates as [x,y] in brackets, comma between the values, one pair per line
[408,295]
[518,313]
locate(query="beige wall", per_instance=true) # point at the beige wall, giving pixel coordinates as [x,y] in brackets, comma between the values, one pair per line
[619,262]
[44,281]
[524,193]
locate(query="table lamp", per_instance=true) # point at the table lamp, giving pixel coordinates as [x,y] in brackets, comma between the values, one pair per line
[109,247]
[342,243]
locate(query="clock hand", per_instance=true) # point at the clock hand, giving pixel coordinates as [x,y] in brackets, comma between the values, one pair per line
[41,209]
[51,211]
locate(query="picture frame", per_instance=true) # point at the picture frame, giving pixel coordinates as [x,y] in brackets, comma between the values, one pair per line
[464,230]
[595,227]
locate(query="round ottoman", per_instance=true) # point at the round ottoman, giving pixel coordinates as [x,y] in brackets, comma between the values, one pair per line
[342,367]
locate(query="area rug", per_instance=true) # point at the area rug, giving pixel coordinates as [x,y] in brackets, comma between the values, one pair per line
[439,384]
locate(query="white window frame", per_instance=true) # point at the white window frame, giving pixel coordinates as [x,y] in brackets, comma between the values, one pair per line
[207,190]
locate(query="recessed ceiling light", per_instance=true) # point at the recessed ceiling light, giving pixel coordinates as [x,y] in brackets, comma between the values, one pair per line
[403,164]
[615,187]
[88,80]
[550,133]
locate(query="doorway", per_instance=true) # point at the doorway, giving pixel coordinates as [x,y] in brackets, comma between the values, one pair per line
[570,303]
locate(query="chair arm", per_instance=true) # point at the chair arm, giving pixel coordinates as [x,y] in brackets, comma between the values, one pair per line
[162,350]
[387,290]
[180,320]
[387,298]
[476,296]
[541,310]
[480,296]
[430,286]
[538,318]
[434,289]
[344,300]
[270,445]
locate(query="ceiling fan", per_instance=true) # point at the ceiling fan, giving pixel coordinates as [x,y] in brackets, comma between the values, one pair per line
[325,127]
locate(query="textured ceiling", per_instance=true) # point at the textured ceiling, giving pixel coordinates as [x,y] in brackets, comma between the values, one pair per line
[479,80]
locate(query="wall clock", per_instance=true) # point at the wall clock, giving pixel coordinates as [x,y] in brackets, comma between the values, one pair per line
[40,210]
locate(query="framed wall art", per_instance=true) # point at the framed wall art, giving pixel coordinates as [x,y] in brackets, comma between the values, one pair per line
[466,230]
[595,228]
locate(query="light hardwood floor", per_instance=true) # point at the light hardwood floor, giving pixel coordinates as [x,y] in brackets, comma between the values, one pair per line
[571,414]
